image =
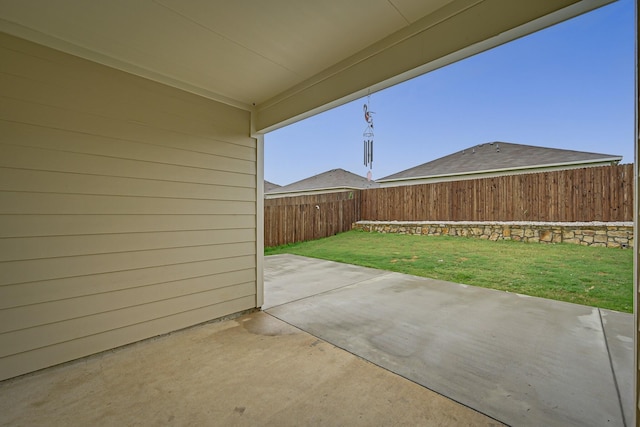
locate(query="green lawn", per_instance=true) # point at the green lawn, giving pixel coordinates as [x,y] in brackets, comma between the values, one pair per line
[599,277]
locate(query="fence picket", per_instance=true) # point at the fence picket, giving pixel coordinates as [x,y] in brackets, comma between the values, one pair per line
[602,193]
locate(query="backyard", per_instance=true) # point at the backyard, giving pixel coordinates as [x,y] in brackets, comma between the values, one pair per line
[594,276]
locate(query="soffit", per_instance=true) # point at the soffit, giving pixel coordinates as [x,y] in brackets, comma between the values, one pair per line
[246,50]
[284,59]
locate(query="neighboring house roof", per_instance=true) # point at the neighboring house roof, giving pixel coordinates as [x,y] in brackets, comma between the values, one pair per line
[268,186]
[499,158]
[326,182]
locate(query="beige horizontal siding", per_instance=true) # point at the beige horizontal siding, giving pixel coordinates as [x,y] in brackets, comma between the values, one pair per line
[54,225]
[22,157]
[71,83]
[32,315]
[30,338]
[23,362]
[70,183]
[61,139]
[127,208]
[12,202]
[96,143]
[53,268]
[37,292]
[26,248]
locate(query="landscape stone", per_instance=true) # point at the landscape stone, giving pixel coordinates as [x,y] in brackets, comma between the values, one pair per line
[600,234]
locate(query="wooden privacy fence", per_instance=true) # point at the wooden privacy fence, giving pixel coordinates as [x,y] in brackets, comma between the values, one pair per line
[589,194]
[302,218]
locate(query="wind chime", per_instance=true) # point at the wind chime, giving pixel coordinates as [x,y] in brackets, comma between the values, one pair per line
[368,138]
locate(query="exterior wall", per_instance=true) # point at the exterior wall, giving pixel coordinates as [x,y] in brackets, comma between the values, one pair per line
[612,235]
[127,208]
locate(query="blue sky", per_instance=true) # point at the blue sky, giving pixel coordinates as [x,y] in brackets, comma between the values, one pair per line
[569,86]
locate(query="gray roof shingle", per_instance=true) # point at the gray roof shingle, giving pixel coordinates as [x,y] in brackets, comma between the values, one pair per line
[335,178]
[268,186]
[496,156]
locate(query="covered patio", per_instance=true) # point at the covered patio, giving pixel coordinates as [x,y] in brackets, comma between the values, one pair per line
[344,345]
[254,370]
[131,204]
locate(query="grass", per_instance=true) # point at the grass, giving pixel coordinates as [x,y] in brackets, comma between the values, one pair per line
[599,277]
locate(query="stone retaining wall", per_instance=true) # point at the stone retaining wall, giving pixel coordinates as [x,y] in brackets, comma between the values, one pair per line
[603,234]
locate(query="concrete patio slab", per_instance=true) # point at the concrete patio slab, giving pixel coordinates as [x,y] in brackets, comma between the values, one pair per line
[307,281]
[518,359]
[251,371]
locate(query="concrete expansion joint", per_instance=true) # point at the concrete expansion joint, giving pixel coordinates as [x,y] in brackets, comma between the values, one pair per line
[382,274]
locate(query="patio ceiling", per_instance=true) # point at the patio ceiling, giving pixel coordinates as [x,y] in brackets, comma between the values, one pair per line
[286,59]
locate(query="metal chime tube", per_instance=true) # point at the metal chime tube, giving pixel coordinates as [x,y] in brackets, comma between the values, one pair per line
[368,133]
[364,150]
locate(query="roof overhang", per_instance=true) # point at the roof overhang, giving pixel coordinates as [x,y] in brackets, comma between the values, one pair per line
[451,34]
[284,60]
